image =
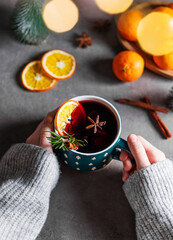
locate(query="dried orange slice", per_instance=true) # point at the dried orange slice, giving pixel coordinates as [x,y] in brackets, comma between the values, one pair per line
[70,117]
[58,64]
[34,78]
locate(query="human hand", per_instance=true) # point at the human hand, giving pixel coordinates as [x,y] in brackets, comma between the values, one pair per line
[39,136]
[143,152]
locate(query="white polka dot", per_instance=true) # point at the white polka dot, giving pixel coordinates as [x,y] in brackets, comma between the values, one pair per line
[66,162]
[76,163]
[94,168]
[65,155]
[94,158]
[104,160]
[78,169]
[78,157]
[106,154]
[90,164]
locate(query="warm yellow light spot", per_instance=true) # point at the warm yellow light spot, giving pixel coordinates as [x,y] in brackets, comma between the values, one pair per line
[155,33]
[60,15]
[113,6]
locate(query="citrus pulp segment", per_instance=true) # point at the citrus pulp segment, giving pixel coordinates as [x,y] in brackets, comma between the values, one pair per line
[58,64]
[63,116]
[34,78]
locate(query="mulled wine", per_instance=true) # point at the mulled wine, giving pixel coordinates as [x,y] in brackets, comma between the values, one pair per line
[94,122]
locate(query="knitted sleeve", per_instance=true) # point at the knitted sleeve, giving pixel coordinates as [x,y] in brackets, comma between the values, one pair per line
[28,174]
[150,194]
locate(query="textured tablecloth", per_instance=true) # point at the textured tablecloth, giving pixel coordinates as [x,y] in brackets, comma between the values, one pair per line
[83,206]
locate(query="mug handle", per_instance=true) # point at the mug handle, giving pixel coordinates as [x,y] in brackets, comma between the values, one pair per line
[122,144]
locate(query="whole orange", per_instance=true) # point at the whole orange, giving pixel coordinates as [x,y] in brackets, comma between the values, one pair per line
[128,24]
[128,66]
[164,10]
[165,61]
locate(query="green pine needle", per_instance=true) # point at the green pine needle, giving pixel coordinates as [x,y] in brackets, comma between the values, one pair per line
[60,141]
[27,22]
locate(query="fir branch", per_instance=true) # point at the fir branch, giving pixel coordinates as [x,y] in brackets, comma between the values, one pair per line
[27,23]
[62,141]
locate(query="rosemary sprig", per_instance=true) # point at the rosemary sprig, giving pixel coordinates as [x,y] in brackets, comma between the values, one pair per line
[61,141]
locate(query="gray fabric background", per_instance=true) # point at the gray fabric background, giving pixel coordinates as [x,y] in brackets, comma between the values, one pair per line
[84,206]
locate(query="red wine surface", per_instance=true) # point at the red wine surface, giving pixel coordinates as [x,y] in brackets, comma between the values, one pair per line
[102,138]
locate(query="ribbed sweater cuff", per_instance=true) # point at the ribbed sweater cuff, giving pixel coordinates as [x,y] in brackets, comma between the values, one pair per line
[150,187]
[28,174]
[36,166]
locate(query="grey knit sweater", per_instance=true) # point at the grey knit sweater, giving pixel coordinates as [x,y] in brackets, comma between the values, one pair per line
[27,176]
[150,194]
[29,173]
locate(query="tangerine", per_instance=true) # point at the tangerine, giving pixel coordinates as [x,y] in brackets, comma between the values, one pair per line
[164,61]
[167,10]
[128,24]
[128,66]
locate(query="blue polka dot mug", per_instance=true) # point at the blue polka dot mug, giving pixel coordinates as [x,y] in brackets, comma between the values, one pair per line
[94,161]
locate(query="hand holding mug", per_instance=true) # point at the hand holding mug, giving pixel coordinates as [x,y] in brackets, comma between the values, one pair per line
[40,136]
[145,154]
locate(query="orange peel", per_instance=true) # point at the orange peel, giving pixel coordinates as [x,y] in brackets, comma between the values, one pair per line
[58,64]
[34,78]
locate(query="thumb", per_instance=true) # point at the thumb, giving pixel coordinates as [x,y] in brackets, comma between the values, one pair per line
[138,151]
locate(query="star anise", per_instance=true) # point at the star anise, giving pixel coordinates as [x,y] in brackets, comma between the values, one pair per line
[95,124]
[102,25]
[84,40]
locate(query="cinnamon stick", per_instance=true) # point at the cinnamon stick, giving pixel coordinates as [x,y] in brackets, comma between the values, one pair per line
[163,128]
[142,105]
